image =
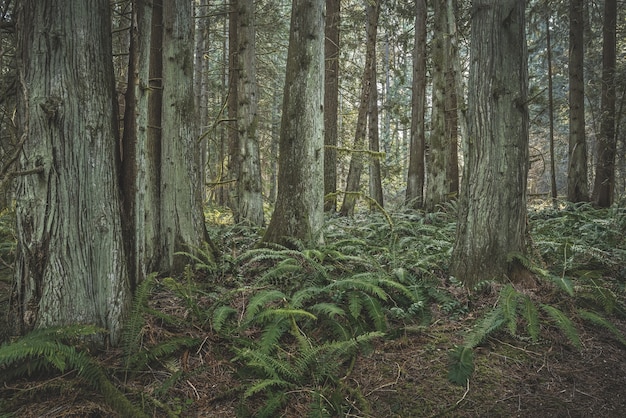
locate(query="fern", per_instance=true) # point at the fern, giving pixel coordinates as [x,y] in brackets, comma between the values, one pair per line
[599,320]
[46,349]
[461,365]
[508,303]
[131,333]
[563,323]
[491,322]
[531,315]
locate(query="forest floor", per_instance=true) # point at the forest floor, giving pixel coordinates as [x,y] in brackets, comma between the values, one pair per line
[404,375]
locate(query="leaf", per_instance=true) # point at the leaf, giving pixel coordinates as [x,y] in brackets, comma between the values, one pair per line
[564,323]
[531,315]
[220,315]
[599,320]
[508,303]
[461,366]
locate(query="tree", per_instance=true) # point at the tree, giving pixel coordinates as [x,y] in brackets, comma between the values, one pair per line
[375,175]
[415,178]
[604,183]
[442,165]
[553,190]
[577,183]
[71,263]
[299,206]
[491,228]
[353,182]
[331,102]
[248,199]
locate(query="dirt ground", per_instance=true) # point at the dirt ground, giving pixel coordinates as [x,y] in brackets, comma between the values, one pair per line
[402,377]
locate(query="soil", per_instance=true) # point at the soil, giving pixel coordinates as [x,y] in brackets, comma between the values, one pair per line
[402,377]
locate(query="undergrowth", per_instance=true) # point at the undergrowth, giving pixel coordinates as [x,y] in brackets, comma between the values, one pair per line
[291,322]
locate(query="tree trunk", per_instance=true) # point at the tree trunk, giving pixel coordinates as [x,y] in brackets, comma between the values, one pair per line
[248,205]
[71,264]
[551,115]
[299,212]
[375,179]
[353,181]
[604,184]
[182,225]
[492,210]
[201,87]
[136,139]
[331,102]
[577,183]
[442,167]
[415,177]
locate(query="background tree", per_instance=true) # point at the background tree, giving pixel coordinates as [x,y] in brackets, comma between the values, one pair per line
[71,265]
[604,183]
[247,196]
[577,182]
[331,102]
[353,180]
[299,206]
[415,178]
[442,161]
[492,209]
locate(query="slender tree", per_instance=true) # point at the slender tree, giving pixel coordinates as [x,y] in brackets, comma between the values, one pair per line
[299,206]
[551,112]
[136,139]
[491,227]
[604,183]
[247,196]
[415,178]
[331,102]
[375,175]
[353,182]
[577,183]
[442,166]
[71,263]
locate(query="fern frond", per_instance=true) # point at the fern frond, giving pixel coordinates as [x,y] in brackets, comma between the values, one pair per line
[131,332]
[508,304]
[487,325]
[599,320]
[331,310]
[531,315]
[259,300]
[220,315]
[264,384]
[461,365]
[362,282]
[563,323]
[268,364]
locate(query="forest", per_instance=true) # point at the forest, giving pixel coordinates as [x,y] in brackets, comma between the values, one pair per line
[322,208]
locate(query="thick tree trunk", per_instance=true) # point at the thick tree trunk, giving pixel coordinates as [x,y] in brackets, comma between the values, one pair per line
[331,102]
[182,225]
[353,181]
[492,209]
[299,211]
[415,178]
[604,184]
[248,205]
[71,264]
[577,182]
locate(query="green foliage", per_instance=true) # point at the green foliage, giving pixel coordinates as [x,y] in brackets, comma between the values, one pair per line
[461,365]
[580,252]
[49,349]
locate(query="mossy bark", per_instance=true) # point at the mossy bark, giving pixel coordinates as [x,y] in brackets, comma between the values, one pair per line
[492,209]
[71,264]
